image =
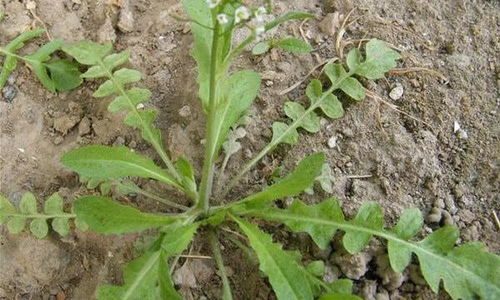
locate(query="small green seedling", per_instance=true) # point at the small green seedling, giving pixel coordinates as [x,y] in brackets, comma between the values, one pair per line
[55,74]
[467,271]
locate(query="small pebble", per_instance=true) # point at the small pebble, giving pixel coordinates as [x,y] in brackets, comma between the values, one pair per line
[434,216]
[332,142]
[58,140]
[448,220]
[9,93]
[439,203]
[185,111]
[397,92]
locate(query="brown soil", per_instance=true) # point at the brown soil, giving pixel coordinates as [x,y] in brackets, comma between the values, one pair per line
[409,161]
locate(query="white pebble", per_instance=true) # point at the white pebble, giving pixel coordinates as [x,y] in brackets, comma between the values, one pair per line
[332,142]
[397,92]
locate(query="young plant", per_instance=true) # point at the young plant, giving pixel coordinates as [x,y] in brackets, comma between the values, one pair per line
[467,271]
[54,74]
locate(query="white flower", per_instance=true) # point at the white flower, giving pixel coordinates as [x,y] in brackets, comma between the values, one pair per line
[259,31]
[260,13]
[213,3]
[222,19]
[241,13]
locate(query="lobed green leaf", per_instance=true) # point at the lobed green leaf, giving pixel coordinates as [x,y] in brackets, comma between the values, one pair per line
[286,276]
[467,271]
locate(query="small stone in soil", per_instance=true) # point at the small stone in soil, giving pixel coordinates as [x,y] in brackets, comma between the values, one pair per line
[185,111]
[9,93]
[397,92]
[84,127]
[332,142]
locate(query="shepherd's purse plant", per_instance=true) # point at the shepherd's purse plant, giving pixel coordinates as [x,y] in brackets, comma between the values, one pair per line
[466,272]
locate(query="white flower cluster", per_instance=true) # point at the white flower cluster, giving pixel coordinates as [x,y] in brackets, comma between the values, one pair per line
[241,14]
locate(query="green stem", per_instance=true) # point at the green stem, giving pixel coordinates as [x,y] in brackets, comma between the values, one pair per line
[211,144]
[40,216]
[152,196]
[276,141]
[156,145]
[8,53]
[226,287]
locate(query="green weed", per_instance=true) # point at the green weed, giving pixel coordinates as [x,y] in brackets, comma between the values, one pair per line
[467,271]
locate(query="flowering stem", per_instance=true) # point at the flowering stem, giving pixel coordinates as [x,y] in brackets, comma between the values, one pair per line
[208,165]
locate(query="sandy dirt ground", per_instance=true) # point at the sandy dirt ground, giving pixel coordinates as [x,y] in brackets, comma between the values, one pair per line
[400,148]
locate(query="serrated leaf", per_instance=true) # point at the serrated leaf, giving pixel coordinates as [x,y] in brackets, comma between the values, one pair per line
[124,76]
[39,228]
[65,74]
[409,225]
[106,89]
[285,135]
[310,122]
[261,48]
[27,205]
[468,272]
[136,96]
[199,12]
[106,216]
[322,235]
[330,106]
[288,17]
[294,45]
[379,60]
[16,225]
[293,184]
[286,276]
[369,216]
[111,163]
[240,92]
[87,52]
